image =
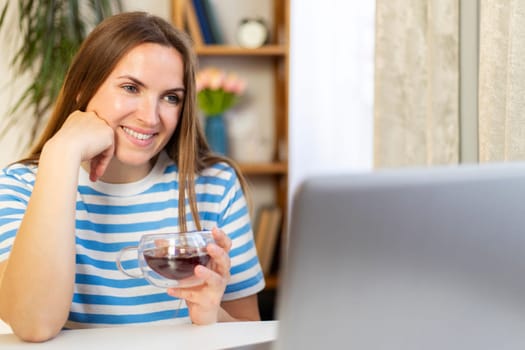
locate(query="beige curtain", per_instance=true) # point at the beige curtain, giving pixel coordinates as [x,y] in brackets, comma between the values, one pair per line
[416,112]
[502,80]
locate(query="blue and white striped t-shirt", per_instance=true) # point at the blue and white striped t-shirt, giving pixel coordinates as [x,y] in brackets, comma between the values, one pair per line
[110,217]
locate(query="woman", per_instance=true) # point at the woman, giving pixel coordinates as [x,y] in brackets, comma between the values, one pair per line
[122,155]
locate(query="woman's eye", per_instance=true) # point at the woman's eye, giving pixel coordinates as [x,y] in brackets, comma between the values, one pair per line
[173,99]
[130,88]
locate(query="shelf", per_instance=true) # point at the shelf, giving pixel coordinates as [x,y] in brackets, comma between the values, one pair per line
[264,168]
[267,70]
[223,50]
[272,282]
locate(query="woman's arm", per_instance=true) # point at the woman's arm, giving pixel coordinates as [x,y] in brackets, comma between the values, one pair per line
[243,309]
[36,288]
[37,285]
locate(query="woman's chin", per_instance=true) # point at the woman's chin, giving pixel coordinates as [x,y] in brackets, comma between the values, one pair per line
[135,160]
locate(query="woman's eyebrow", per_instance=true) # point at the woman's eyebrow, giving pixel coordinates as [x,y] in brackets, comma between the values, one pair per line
[140,83]
[133,79]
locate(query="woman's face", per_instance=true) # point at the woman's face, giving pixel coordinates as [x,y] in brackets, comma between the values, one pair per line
[141,100]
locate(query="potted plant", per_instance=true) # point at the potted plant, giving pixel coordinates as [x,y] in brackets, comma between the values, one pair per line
[217,92]
[51,33]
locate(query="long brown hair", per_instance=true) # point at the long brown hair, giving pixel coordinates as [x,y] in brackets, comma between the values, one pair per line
[97,57]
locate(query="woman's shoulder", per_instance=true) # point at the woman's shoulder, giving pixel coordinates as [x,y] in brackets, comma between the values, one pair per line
[221,170]
[21,172]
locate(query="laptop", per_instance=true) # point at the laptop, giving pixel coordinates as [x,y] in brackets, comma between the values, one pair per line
[406,259]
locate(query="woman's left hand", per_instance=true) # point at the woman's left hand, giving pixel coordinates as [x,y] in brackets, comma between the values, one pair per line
[204,301]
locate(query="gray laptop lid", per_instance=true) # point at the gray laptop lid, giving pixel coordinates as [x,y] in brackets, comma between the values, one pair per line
[407,259]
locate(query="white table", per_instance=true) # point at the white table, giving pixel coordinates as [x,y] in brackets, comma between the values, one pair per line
[4,329]
[186,337]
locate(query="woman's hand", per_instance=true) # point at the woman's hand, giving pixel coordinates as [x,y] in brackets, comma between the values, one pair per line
[91,137]
[204,301]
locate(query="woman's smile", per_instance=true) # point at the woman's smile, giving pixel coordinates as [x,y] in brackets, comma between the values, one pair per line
[137,135]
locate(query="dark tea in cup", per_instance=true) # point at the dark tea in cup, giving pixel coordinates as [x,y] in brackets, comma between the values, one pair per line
[177,266]
[168,260]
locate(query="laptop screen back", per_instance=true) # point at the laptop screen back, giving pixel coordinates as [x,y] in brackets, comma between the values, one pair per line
[407,259]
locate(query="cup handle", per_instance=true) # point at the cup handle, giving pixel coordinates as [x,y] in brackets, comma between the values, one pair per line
[119,264]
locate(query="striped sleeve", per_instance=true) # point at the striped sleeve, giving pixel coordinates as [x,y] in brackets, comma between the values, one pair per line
[246,273]
[16,184]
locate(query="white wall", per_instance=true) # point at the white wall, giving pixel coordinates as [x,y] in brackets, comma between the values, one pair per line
[13,142]
[160,8]
[331,87]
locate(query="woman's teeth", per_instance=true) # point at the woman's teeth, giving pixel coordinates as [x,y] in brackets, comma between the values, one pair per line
[137,135]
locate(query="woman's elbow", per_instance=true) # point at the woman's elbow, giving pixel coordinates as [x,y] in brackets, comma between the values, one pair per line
[36,330]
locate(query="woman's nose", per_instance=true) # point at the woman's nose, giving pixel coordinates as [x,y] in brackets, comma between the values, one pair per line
[149,111]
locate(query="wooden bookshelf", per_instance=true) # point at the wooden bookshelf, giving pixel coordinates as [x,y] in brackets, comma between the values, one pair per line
[229,50]
[272,281]
[280,168]
[273,60]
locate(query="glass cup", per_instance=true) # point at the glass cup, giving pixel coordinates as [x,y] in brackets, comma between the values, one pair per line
[168,260]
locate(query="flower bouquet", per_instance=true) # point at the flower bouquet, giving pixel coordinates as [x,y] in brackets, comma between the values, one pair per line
[217,92]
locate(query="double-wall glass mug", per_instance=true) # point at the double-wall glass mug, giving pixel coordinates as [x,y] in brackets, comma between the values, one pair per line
[168,260]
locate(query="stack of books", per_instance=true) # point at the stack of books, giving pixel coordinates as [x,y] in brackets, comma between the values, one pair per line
[268,226]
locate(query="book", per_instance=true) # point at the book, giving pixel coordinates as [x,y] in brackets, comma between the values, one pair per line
[203,21]
[266,232]
[212,20]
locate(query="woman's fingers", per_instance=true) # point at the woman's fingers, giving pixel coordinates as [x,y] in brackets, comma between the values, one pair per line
[207,295]
[196,296]
[220,260]
[100,163]
[221,239]
[211,278]
[91,136]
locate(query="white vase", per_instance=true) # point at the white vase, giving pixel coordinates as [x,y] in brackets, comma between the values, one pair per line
[248,141]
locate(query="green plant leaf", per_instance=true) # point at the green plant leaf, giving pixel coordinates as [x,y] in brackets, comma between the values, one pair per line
[4,11]
[213,102]
[51,31]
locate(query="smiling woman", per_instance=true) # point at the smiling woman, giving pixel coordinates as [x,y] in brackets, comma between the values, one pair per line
[123,155]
